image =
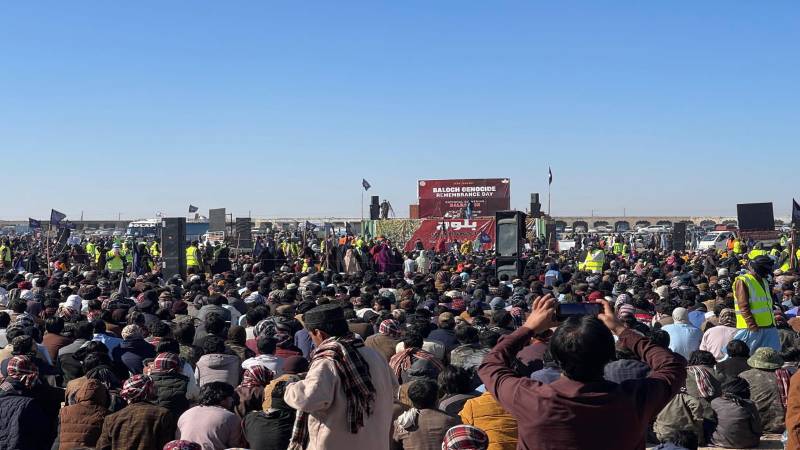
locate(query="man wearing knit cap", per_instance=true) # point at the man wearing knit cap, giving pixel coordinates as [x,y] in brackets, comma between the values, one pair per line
[346,397]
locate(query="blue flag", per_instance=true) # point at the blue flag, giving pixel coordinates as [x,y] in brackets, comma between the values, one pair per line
[56,217]
[34,224]
[193,209]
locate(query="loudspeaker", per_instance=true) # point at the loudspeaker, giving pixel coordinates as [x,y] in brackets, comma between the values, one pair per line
[244,237]
[374,209]
[512,267]
[216,219]
[375,200]
[536,207]
[509,229]
[679,236]
[173,247]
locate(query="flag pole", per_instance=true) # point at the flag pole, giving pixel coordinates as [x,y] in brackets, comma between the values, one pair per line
[793,248]
[548,197]
[47,248]
[362,210]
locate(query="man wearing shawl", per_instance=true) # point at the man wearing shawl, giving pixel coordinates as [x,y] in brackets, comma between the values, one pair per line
[141,425]
[346,397]
[21,418]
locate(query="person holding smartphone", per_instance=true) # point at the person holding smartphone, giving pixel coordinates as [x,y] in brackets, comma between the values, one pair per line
[581,409]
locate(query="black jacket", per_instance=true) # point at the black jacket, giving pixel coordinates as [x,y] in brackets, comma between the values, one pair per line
[20,423]
[171,392]
[269,430]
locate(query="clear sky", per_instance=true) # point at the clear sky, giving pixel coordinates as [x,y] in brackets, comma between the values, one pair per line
[280,108]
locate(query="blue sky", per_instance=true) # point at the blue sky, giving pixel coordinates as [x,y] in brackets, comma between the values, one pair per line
[280,108]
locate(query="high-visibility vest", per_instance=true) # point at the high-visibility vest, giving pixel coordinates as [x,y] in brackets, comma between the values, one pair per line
[90,248]
[625,249]
[774,252]
[154,250]
[617,248]
[760,302]
[594,261]
[737,246]
[5,253]
[755,253]
[192,257]
[114,262]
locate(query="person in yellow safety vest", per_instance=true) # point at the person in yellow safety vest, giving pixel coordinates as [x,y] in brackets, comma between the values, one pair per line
[787,260]
[626,250]
[617,247]
[154,250]
[754,306]
[90,249]
[775,251]
[115,259]
[595,258]
[757,251]
[193,256]
[737,247]
[5,254]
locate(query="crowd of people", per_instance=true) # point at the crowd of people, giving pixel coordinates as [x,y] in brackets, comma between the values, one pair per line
[349,342]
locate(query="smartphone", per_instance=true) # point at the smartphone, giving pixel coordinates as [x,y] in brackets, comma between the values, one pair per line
[566,310]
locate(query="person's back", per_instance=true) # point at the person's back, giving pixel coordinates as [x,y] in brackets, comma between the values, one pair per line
[212,427]
[271,428]
[20,420]
[682,413]
[335,425]
[738,423]
[138,426]
[322,399]
[423,427]
[485,413]
[683,338]
[614,415]
[764,393]
[80,424]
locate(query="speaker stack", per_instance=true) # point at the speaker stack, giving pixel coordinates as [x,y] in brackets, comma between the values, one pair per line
[679,236]
[536,207]
[509,231]
[173,246]
[374,208]
[244,236]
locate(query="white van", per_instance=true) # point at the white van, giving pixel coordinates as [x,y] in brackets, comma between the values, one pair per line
[715,239]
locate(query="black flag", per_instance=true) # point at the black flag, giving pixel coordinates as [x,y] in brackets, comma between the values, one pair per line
[550,173]
[34,224]
[56,217]
[193,209]
[123,287]
[795,213]
[365,184]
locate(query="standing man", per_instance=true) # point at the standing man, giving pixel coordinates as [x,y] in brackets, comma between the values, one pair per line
[115,259]
[193,258]
[754,308]
[595,258]
[346,398]
[155,252]
[5,255]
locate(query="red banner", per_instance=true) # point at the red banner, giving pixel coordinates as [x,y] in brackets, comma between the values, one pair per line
[448,198]
[436,234]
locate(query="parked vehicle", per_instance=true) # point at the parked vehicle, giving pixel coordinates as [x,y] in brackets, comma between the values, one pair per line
[715,239]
